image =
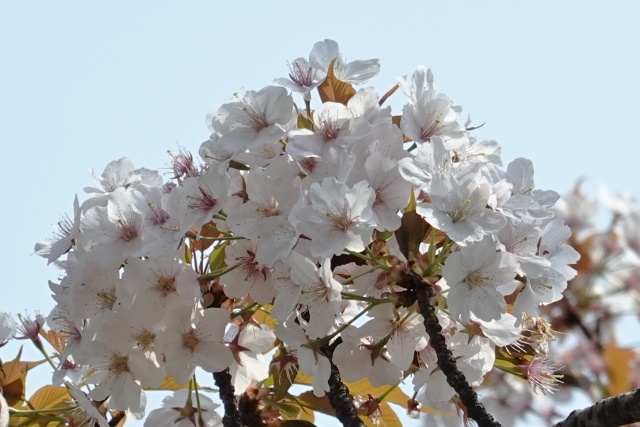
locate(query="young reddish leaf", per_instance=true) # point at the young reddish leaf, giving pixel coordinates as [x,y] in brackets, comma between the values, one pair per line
[334,90]
[208,231]
[13,370]
[412,232]
[13,392]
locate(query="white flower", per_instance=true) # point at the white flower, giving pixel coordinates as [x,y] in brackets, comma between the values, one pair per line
[7,327]
[334,127]
[119,373]
[185,347]
[254,120]
[320,292]
[338,218]
[264,217]
[312,362]
[405,331]
[175,413]
[86,413]
[287,291]
[303,78]
[121,174]
[247,345]
[520,174]
[4,412]
[95,290]
[458,208]
[64,237]
[429,114]
[250,278]
[198,199]
[392,192]
[474,358]
[157,285]
[354,72]
[430,159]
[554,247]
[68,371]
[116,231]
[474,274]
[359,358]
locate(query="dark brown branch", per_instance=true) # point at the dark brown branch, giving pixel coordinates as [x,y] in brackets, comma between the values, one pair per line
[455,378]
[227,395]
[613,411]
[339,395]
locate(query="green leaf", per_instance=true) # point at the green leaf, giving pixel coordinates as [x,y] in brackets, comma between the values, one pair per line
[304,122]
[288,410]
[216,259]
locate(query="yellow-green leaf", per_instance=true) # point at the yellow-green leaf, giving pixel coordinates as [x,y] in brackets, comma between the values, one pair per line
[304,122]
[169,384]
[216,259]
[320,404]
[50,396]
[263,317]
[56,339]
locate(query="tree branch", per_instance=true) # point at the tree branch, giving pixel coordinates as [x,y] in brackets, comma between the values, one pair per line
[339,395]
[613,411]
[227,395]
[455,378]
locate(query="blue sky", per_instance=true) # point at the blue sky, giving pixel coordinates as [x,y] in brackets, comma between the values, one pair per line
[84,83]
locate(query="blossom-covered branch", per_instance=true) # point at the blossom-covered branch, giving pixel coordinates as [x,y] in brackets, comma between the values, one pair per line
[280,256]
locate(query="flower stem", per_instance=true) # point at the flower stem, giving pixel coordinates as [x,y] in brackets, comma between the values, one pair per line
[386,393]
[244,310]
[215,274]
[21,413]
[195,387]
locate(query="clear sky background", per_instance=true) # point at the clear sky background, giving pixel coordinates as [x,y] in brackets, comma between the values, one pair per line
[85,83]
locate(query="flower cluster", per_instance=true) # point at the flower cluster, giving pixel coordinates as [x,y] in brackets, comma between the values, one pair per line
[296,230]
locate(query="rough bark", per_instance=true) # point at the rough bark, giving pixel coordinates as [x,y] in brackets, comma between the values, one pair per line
[455,378]
[339,396]
[227,395]
[613,411]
